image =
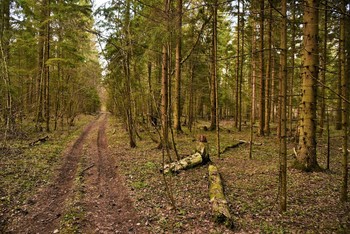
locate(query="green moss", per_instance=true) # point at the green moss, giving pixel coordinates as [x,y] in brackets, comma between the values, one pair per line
[139,184]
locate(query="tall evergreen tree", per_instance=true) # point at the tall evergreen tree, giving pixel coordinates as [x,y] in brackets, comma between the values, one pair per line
[306,158]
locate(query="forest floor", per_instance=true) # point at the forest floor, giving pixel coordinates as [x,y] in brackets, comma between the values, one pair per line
[100,185]
[86,195]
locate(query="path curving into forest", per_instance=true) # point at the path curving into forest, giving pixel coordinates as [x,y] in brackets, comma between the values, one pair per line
[105,206]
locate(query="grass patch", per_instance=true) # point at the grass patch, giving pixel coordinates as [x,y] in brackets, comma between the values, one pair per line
[139,184]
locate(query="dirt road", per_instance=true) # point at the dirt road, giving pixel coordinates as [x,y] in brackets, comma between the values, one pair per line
[87,195]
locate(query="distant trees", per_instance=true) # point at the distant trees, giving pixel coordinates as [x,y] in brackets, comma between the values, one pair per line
[48,64]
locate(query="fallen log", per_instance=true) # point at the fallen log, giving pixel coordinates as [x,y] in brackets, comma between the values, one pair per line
[227,148]
[40,140]
[217,197]
[201,157]
[254,143]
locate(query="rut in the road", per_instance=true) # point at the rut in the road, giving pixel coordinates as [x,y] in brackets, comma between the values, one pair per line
[46,208]
[107,207]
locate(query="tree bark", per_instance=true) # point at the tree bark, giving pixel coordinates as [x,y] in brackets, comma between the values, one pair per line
[268,75]
[5,57]
[164,88]
[283,117]
[213,87]
[47,68]
[262,71]
[238,64]
[324,68]
[338,124]
[345,105]
[292,73]
[217,198]
[241,71]
[306,159]
[42,72]
[201,157]
[177,106]
[129,113]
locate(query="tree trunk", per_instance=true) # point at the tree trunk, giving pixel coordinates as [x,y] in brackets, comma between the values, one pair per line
[338,117]
[345,105]
[5,57]
[177,106]
[164,90]
[283,117]
[191,98]
[129,114]
[238,64]
[262,71]
[324,68]
[215,47]
[213,87]
[217,198]
[47,68]
[268,75]
[253,103]
[42,72]
[292,73]
[241,72]
[201,157]
[306,159]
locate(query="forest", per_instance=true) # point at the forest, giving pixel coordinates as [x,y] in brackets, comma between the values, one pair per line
[174,116]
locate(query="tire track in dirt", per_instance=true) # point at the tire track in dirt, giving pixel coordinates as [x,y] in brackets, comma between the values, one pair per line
[43,213]
[108,206]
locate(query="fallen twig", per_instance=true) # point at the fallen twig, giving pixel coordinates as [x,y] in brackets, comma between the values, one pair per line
[87,168]
[41,140]
[254,143]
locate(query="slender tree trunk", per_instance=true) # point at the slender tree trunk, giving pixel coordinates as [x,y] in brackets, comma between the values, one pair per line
[191,98]
[345,105]
[292,73]
[273,87]
[262,71]
[150,91]
[306,159]
[241,71]
[283,117]
[177,106]
[253,74]
[215,75]
[47,68]
[238,64]
[5,57]
[338,117]
[41,77]
[164,88]
[339,114]
[129,113]
[268,75]
[213,87]
[324,68]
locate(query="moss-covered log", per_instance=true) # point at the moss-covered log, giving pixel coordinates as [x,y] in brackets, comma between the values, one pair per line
[201,157]
[217,197]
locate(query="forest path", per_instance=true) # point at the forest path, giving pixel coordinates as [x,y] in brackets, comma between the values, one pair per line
[87,195]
